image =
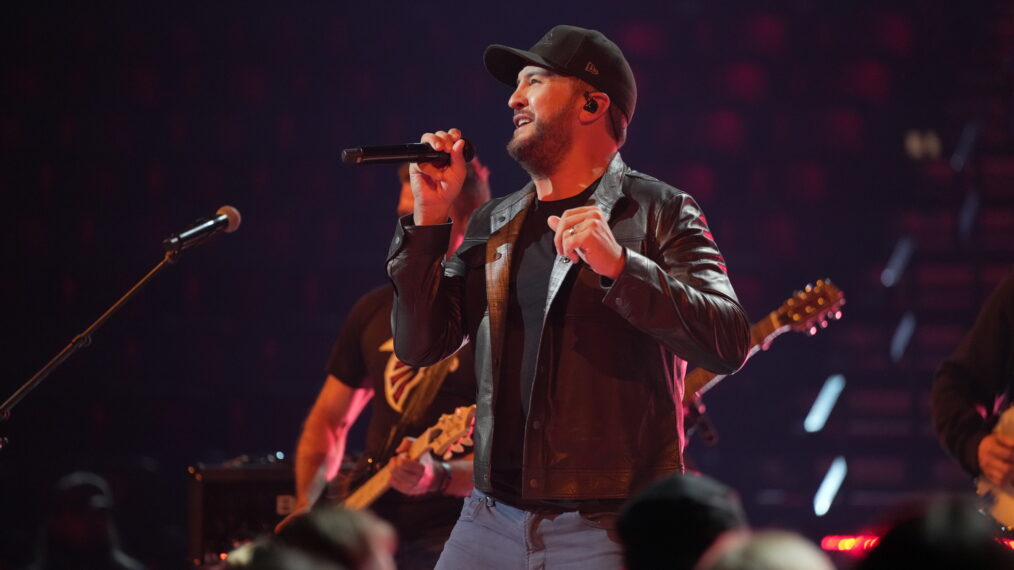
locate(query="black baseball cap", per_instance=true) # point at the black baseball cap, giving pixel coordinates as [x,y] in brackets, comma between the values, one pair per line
[585,54]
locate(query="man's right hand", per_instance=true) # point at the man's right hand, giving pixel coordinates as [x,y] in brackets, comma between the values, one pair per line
[435,188]
[996,458]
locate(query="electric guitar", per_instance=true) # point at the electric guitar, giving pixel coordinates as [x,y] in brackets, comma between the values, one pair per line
[807,311]
[449,435]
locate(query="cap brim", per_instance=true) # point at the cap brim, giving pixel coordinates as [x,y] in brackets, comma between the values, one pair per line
[504,62]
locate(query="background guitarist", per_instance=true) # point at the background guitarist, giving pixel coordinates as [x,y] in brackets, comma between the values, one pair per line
[425,501]
[974,385]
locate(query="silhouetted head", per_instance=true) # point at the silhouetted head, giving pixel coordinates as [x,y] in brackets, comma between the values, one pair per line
[765,550]
[79,531]
[673,521]
[940,532]
[356,540]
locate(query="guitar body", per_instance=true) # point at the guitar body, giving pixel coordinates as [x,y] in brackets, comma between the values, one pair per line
[999,501]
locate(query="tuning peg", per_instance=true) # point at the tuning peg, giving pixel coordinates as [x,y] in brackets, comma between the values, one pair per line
[809,287]
[811,331]
[467,441]
[823,324]
[447,455]
[457,448]
[834,315]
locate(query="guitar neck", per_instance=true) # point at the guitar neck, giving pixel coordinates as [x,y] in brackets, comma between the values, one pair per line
[369,491]
[699,380]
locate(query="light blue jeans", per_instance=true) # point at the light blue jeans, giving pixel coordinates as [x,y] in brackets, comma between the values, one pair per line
[491,535]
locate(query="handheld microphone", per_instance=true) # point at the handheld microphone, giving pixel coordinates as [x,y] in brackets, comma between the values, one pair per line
[226,219]
[412,152]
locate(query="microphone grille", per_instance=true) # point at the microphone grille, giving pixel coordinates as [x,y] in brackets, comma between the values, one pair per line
[232,214]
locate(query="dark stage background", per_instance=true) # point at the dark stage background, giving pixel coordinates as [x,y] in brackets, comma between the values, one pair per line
[817,138]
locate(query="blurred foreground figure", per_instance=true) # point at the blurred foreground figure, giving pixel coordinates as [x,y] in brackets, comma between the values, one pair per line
[766,550]
[272,556]
[672,522]
[79,532]
[941,533]
[329,538]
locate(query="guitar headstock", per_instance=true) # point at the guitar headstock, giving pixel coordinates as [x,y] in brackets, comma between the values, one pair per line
[452,432]
[812,307]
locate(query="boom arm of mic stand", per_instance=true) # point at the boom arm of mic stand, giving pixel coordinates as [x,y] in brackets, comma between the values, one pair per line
[80,341]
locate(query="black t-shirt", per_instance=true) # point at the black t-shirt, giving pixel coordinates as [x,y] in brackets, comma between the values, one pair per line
[531,265]
[363,357]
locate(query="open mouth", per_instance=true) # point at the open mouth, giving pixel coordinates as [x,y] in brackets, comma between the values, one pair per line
[521,120]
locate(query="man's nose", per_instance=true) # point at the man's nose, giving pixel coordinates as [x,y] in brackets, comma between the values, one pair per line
[517,100]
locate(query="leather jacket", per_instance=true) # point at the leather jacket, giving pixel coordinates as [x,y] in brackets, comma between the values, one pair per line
[605,414]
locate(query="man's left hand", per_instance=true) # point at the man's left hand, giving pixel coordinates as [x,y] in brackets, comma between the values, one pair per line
[583,234]
[413,477]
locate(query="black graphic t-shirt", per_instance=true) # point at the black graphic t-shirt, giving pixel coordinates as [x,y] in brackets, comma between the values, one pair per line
[363,357]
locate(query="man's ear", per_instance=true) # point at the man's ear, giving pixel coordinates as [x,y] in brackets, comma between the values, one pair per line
[595,104]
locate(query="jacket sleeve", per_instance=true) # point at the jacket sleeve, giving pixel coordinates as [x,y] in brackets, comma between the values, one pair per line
[426,319]
[681,295]
[969,384]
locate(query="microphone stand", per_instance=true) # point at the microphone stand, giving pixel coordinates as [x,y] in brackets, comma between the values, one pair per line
[80,341]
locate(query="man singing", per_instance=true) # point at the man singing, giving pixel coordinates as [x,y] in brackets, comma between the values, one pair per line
[586,293]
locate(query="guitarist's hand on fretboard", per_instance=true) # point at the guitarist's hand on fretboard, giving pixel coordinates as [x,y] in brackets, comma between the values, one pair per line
[415,477]
[448,436]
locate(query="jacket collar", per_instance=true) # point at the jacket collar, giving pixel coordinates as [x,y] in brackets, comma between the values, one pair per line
[608,192]
[505,224]
[507,210]
[611,187]
[605,196]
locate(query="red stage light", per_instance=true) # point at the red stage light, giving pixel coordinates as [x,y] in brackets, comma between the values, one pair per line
[859,543]
[851,544]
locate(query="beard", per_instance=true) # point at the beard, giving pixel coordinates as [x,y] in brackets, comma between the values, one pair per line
[542,151]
